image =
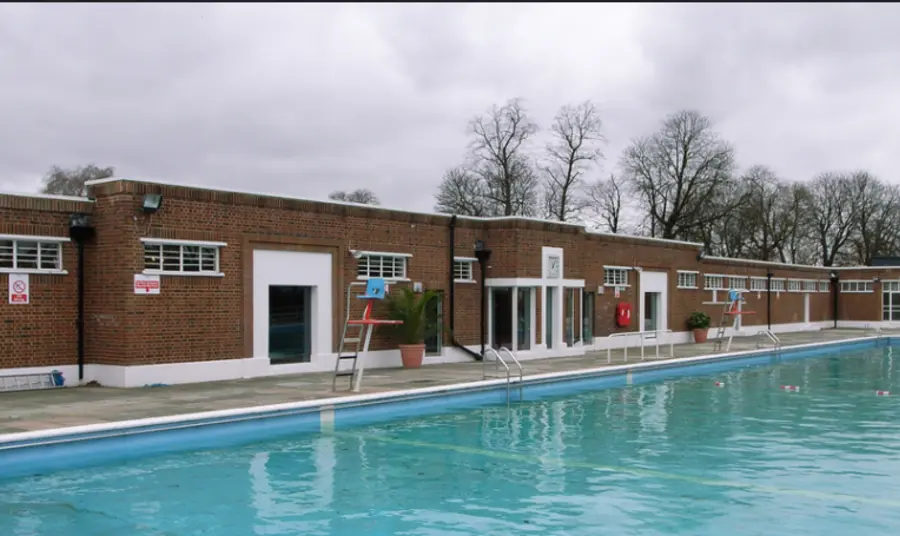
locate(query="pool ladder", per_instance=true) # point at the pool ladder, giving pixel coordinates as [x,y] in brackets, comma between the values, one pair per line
[776,342]
[499,362]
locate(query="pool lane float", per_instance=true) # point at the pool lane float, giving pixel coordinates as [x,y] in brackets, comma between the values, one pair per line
[791,388]
[882,393]
[720,384]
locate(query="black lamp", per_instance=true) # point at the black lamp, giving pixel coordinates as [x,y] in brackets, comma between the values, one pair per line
[151,203]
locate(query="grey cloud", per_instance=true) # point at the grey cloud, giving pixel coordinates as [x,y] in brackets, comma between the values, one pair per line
[303,99]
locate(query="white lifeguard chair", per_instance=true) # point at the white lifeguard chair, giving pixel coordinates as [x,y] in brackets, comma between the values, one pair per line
[356,347]
[733,309]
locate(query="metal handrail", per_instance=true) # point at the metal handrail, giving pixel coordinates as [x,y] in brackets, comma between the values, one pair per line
[516,361]
[642,335]
[771,336]
[500,361]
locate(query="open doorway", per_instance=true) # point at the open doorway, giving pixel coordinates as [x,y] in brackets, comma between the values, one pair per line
[501,317]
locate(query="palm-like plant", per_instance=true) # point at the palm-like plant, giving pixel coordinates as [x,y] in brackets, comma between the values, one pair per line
[411,308]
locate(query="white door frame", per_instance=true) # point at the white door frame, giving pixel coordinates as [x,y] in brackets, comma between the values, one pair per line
[655,282]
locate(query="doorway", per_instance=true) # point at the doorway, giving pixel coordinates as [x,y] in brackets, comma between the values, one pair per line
[587,318]
[654,300]
[501,317]
[523,316]
[890,299]
[434,317]
[806,308]
[289,324]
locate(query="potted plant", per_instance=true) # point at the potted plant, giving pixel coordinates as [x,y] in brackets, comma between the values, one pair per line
[410,307]
[699,324]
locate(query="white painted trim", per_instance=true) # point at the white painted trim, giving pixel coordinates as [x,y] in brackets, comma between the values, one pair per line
[48,196]
[379,254]
[612,267]
[32,271]
[465,259]
[174,242]
[464,281]
[183,274]
[687,271]
[34,238]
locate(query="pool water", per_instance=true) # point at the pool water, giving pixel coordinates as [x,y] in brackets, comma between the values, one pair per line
[677,457]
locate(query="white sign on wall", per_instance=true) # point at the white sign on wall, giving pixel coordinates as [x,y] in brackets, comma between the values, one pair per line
[19,289]
[146,284]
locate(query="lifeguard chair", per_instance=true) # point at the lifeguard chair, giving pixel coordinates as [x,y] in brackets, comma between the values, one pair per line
[355,347]
[733,309]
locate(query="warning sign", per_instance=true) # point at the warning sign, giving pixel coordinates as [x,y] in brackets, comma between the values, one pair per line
[19,289]
[146,284]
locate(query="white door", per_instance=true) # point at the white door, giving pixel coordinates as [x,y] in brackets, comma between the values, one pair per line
[654,302]
[806,308]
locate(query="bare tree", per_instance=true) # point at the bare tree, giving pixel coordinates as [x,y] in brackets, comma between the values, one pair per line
[575,147]
[799,245]
[678,173]
[606,203]
[832,213]
[463,192]
[498,155]
[877,225]
[363,196]
[59,181]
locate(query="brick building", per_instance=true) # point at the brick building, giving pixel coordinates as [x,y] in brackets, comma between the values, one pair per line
[220,284]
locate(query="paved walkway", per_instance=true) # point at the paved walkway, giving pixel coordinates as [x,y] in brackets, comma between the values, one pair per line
[40,410]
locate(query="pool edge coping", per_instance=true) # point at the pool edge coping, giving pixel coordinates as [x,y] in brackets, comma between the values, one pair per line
[28,439]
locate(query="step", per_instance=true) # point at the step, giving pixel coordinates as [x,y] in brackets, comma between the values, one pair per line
[353,356]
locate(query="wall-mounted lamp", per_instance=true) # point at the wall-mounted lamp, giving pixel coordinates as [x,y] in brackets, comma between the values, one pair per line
[834,275]
[482,253]
[81,227]
[152,203]
[357,254]
[701,255]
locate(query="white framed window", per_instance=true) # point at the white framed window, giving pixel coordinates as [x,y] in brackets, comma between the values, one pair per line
[714,282]
[687,279]
[181,257]
[384,265]
[890,286]
[615,276]
[856,286]
[777,285]
[824,285]
[795,285]
[31,254]
[810,285]
[757,283]
[737,283]
[463,270]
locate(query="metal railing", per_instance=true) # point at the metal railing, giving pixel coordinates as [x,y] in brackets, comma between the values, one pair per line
[498,362]
[771,336]
[643,337]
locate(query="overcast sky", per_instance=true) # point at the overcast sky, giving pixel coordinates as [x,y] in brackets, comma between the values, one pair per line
[302,99]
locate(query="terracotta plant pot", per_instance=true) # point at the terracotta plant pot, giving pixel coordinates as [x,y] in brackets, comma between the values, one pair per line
[700,334]
[412,355]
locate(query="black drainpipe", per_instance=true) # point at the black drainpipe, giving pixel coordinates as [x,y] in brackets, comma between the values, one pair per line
[835,280]
[452,293]
[80,230]
[769,300]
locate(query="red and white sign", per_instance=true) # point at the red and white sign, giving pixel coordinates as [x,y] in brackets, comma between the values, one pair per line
[146,284]
[19,289]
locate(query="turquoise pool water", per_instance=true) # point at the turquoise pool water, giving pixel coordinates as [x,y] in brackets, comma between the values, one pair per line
[676,457]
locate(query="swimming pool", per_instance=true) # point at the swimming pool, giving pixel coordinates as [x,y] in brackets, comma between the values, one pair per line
[675,456]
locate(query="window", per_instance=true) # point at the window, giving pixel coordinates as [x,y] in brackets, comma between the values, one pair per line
[383,265]
[794,285]
[824,285]
[462,270]
[31,254]
[777,285]
[687,279]
[714,282]
[810,285]
[184,257]
[737,283]
[856,286]
[890,286]
[757,283]
[615,277]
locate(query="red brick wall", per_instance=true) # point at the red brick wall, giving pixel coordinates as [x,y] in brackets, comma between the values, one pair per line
[42,333]
[204,318]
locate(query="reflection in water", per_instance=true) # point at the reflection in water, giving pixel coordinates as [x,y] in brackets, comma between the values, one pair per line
[682,457]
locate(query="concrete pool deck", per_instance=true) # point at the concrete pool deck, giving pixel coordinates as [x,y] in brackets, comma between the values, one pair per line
[26,411]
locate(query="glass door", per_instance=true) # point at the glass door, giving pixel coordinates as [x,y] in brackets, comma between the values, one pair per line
[651,311]
[523,315]
[587,318]
[434,317]
[570,317]
[890,297]
[548,317]
[289,324]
